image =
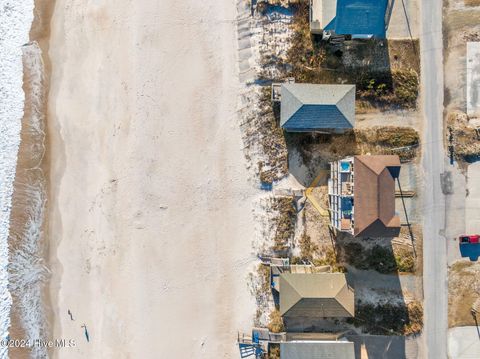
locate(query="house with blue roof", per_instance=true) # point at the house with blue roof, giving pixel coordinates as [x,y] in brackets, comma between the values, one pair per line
[358,18]
[317,108]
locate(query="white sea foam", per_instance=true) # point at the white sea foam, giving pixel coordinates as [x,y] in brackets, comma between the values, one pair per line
[15,21]
[27,271]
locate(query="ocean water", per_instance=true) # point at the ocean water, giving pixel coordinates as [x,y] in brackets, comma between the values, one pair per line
[27,270]
[15,21]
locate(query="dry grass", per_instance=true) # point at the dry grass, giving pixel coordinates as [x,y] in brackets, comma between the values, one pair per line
[388,136]
[388,140]
[407,245]
[274,351]
[304,54]
[463,138]
[262,280]
[271,140]
[263,138]
[403,54]
[308,249]
[379,140]
[471,2]
[463,290]
[329,258]
[404,259]
[264,274]
[275,325]
[316,227]
[259,284]
[415,318]
[284,222]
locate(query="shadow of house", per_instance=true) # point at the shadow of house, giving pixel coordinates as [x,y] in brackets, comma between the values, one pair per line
[388,13]
[379,346]
[304,162]
[367,64]
[372,267]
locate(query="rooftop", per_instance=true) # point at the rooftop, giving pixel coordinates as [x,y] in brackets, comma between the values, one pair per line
[374,185]
[316,295]
[350,17]
[317,350]
[307,107]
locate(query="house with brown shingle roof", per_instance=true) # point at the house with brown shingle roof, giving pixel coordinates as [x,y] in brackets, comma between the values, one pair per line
[316,295]
[362,195]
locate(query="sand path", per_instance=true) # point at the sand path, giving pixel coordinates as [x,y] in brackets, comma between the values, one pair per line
[150,207]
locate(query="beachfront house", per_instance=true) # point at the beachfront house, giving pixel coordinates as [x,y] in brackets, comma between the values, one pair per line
[317,108]
[358,18]
[315,295]
[361,193]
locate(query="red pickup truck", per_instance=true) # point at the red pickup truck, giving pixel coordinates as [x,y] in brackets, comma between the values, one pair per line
[471,239]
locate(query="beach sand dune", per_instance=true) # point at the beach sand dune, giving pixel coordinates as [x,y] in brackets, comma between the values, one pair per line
[150,209]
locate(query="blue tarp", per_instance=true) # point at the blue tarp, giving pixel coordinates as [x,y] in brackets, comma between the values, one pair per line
[360,18]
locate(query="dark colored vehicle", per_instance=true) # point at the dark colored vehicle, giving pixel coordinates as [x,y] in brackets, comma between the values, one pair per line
[472,239]
[470,246]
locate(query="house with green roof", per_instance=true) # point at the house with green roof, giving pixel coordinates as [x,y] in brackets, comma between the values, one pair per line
[317,108]
[316,295]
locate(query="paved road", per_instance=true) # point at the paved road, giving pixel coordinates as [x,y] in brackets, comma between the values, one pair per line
[435,252]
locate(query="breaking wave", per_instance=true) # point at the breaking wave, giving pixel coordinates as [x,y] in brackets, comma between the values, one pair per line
[27,270]
[22,184]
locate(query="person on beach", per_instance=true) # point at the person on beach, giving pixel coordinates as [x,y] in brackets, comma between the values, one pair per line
[86,332]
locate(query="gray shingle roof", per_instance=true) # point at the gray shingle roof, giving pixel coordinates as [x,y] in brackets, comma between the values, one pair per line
[316,295]
[317,350]
[307,107]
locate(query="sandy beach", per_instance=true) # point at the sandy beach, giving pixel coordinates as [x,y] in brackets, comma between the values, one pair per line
[150,208]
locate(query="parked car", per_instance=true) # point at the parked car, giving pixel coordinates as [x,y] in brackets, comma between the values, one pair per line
[469,246]
[472,239]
